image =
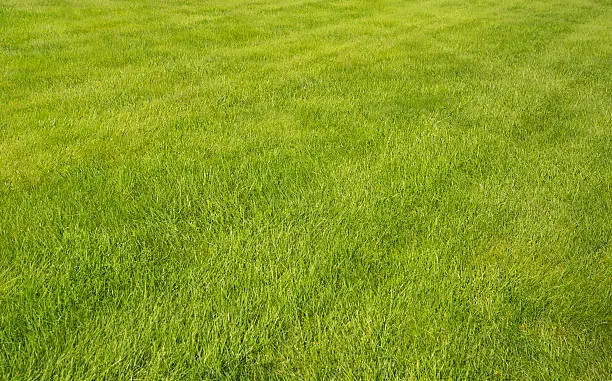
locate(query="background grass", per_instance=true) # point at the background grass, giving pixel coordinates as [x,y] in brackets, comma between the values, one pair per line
[305,189]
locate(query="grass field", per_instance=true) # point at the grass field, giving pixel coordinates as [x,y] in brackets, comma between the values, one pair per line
[303,189]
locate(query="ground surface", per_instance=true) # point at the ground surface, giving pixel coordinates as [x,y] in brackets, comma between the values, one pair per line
[310,189]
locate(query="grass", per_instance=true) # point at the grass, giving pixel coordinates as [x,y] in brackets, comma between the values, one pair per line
[305,189]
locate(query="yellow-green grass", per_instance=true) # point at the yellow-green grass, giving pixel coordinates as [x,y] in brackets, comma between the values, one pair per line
[304,189]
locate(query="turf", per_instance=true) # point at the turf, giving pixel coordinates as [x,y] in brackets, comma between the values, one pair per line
[302,189]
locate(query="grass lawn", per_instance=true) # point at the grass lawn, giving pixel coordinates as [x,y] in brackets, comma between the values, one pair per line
[303,189]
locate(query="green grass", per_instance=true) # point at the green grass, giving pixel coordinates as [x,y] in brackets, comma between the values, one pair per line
[303,189]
